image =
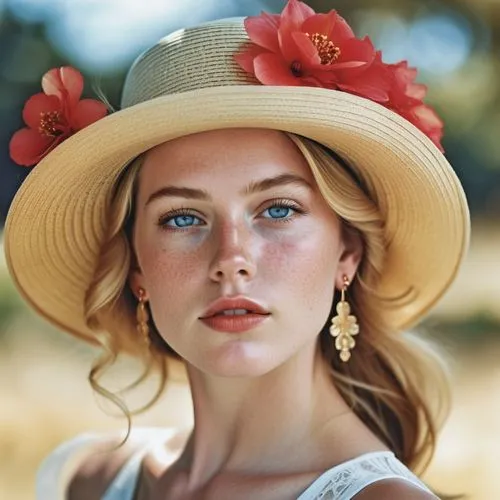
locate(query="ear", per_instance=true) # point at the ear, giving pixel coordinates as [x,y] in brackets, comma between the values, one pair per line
[351,255]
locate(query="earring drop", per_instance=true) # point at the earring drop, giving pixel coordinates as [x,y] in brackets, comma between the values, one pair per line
[143,317]
[344,326]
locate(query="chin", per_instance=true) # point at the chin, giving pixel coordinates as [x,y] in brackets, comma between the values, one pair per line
[238,358]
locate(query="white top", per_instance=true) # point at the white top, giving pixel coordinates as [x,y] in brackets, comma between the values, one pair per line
[341,482]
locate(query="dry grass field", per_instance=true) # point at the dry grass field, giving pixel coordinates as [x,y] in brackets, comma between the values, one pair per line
[45,398]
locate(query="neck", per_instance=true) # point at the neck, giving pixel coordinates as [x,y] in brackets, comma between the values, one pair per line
[271,423]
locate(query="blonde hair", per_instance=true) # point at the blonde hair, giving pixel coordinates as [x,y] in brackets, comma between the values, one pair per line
[390,381]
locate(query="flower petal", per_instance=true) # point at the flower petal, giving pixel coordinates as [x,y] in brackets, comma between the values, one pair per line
[427,120]
[374,82]
[319,23]
[271,69]
[370,92]
[416,91]
[72,80]
[288,47]
[295,13]
[405,95]
[436,138]
[263,30]
[327,79]
[245,59]
[28,147]
[65,82]
[315,81]
[348,65]
[357,50]
[404,74]
[308,51]
[331,24]
[52,84]
[38,104]
[341,31]
[87,112]
[427,115]
[291,20]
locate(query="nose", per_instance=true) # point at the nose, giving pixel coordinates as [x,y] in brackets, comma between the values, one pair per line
[233,261]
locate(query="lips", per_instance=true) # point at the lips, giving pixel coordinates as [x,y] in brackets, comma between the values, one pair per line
[227,303]
[235,323]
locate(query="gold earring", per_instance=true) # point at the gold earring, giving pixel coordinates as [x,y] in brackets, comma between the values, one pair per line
[344,326]
[143,317]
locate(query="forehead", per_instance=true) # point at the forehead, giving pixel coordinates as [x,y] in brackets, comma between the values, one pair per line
[231,156]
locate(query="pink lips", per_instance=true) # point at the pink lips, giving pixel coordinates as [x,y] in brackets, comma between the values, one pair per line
[214,318]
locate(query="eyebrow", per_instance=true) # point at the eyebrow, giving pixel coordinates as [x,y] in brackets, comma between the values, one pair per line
[253,187]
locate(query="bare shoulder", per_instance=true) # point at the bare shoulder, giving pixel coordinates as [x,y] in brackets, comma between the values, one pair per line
[102,463]
[393,488]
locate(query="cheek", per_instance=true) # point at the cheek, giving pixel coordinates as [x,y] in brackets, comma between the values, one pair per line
[306,267]
[168,269]
[304,257]
[172,281]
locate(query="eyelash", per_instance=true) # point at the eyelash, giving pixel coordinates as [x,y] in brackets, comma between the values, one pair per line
[280,203]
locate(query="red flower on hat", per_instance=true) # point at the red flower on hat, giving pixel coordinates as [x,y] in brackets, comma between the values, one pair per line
[300,47]
[53,115]
[406,98]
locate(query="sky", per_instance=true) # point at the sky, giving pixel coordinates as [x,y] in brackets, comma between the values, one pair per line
[106,35]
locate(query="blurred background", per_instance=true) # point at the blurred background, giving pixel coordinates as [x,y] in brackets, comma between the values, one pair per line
[44,394]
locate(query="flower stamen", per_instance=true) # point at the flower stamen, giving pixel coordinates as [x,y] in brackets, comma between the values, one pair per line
[50,124]
[328,52]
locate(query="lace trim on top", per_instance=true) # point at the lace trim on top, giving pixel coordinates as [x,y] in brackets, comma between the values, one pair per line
[345,480]
[341,482]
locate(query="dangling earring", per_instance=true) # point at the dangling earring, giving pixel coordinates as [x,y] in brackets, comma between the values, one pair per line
[344,326]
[142,318]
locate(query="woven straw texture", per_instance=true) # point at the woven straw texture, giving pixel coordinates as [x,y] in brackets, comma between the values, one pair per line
[189,83]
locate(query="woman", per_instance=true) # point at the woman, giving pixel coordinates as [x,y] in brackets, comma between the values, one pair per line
[271,207]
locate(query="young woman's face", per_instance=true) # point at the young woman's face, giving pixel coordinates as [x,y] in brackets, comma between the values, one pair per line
[236,213]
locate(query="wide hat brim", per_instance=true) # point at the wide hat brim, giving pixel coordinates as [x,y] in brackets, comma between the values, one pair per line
[57,221]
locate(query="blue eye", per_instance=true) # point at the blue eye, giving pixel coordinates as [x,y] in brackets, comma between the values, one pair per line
[184,218]
[180,221]
[278,211]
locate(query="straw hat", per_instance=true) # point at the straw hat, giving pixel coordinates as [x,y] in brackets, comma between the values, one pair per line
[189,82]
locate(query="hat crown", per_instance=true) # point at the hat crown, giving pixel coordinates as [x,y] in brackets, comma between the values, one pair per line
[189,59]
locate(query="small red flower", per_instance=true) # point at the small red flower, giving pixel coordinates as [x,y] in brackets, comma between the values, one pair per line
[300,47]
[406,98]
[53,115]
